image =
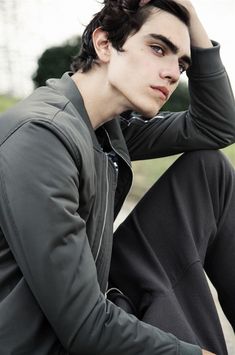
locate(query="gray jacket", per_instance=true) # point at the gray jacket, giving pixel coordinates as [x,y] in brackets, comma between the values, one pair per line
[59,195]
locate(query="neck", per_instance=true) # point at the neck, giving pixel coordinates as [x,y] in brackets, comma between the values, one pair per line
[102,101]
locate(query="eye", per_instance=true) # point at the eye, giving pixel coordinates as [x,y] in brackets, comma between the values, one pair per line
[158,49]
[182,68]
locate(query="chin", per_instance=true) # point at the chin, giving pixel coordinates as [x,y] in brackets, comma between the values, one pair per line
[148,114]
[151,109]
[147,108]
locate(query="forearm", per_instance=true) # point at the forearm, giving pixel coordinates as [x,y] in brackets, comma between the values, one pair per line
[208,124]
[212,102]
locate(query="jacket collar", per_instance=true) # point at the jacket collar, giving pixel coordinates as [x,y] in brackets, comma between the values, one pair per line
[66,86]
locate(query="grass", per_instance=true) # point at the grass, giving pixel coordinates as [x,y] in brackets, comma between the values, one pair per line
[148,171]
[6,102]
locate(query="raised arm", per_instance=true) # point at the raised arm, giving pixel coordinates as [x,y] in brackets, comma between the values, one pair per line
[198,34]
[209,123]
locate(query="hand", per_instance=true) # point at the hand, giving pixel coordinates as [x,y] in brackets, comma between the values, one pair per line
[205,352]
[198,35]
[143,2]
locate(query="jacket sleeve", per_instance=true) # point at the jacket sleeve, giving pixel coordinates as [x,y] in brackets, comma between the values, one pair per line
[39,212]
[209,123]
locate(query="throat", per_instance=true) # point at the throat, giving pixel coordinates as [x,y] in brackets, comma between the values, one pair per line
[101,102]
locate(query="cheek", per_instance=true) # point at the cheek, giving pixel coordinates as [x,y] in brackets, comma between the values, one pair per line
[132,63]
[116,74]
[131,70]
[122,72]
[117,65]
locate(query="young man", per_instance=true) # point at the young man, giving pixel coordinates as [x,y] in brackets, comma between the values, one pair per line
[65,172]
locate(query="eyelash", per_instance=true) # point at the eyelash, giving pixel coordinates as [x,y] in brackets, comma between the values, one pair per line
[183,68]
[156,49]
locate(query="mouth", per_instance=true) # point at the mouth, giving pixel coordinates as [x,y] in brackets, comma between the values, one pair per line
[162,91]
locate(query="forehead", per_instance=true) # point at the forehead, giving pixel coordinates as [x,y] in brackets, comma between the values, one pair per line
[163,23]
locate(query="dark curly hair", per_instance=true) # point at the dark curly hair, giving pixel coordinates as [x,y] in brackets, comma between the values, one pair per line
[120,18]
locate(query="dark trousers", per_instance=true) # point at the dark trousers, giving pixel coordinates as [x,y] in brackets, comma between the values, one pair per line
[183,227]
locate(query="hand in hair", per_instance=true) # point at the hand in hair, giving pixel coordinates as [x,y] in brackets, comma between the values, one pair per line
[143,2]
[198,34]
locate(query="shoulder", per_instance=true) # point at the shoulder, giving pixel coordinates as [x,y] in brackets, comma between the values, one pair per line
[46,110]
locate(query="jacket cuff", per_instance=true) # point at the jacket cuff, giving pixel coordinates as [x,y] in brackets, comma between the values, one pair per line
[188,349]
[205,61]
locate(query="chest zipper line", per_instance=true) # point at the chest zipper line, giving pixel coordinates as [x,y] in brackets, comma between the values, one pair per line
[106,209]
[120,155]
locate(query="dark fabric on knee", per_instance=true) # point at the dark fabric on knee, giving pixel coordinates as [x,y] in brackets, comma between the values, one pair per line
[159,251]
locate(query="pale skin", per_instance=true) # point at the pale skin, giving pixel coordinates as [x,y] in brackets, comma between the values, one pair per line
[143,77]
[127,78]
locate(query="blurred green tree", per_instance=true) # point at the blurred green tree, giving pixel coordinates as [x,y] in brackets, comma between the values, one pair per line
[179,100]
[54,61]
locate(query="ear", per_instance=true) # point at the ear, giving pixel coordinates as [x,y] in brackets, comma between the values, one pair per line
[101,44]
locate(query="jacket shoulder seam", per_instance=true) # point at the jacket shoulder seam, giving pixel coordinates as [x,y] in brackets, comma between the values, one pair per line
[49,122]
[56,126]
[13,130]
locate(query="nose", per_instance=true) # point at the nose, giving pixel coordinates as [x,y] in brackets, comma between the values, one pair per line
[171,72]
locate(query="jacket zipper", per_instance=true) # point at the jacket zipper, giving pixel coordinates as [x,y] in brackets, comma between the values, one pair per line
[140,119]
[120,155]
[107,193]
[116,151]
[106,208]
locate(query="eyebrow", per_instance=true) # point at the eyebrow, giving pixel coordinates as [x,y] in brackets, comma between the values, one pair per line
[171,46]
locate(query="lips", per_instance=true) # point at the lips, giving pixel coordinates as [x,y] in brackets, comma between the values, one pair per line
[162,90]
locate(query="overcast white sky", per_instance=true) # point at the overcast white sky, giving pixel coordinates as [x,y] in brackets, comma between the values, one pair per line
[38,24]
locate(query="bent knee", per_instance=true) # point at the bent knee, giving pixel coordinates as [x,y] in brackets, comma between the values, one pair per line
[208,157]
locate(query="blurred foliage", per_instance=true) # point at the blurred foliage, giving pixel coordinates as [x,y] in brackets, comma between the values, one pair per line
[179,101]
[6,102]
[55,61]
